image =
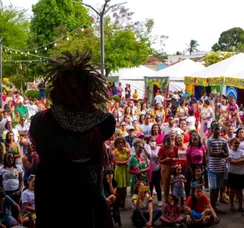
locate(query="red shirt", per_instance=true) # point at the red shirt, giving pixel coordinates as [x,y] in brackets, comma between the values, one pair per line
[202,202]
[165,152]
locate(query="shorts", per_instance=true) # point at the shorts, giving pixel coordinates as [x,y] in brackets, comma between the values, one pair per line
[216,180]
[8,220]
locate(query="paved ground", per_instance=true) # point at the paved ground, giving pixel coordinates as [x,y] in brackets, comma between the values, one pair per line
[229,220]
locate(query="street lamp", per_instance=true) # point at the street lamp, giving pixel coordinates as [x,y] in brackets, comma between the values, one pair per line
[101,15]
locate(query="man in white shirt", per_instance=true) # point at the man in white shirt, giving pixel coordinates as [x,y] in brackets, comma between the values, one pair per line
[159,99]
[171,126]
[32,108]
[147,126]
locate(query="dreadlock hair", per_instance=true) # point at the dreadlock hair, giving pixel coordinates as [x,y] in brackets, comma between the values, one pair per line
[75,84]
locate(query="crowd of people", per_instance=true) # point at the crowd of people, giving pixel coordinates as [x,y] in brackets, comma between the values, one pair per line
[179,148]
[18,160]
[175,150]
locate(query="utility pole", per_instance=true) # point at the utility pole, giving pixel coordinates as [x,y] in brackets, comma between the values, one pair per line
[1,73]
[101,15]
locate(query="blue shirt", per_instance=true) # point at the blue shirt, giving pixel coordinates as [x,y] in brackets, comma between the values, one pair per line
[7,202]
[130,140]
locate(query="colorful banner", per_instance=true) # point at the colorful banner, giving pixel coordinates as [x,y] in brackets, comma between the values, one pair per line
[235,82]
[151,86]
[190,89]
[204,81]
[231,91]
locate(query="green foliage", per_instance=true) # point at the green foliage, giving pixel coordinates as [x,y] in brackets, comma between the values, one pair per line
[215,57]
[192,46]
[116,98]
[229,40]
[51,15]
[32,94]
[13,27]
[19,81]
[127,43]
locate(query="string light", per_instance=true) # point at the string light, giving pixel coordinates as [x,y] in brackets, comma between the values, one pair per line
[59,39]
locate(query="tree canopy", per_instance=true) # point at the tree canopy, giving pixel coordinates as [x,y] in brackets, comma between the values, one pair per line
[127,43]
[49,15]
[192,46]
[229,40]
[215,57]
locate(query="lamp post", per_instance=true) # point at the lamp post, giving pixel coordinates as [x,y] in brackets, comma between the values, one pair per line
[101,15]
[1,73]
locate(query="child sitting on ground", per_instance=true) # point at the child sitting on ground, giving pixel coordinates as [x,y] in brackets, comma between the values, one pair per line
[191,216]
[171,212]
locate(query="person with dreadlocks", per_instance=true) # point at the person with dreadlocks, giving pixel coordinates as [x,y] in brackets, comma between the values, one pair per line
[69,139]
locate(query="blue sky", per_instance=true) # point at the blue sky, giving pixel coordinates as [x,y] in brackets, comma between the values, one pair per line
[181,20]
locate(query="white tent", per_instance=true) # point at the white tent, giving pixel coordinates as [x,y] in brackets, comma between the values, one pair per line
[133,76]
[225,68]
[177,72]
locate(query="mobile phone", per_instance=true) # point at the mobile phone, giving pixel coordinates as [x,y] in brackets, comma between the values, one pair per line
[144,189]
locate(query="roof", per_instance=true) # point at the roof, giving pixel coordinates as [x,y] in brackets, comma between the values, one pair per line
[135,73]
[224,68]
[177,71]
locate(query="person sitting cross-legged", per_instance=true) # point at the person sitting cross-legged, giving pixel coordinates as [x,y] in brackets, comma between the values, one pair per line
[143,214]
[6,218]
[28,202]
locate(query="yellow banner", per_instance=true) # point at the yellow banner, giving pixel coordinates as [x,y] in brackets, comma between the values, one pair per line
[190,89]
[235,82]
[204,81]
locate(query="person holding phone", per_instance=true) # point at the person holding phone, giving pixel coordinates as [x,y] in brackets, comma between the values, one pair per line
[143,213]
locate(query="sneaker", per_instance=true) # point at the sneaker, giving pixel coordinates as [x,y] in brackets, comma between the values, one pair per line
[160,203]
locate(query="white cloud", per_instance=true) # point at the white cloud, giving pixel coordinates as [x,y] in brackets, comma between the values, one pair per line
[181,20]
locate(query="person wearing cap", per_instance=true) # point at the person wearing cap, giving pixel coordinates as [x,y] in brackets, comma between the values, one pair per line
[6,218]
[28,200]
[130,137]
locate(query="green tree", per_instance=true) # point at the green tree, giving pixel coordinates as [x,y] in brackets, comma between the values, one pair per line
[229,40]
[215,57]
[49,15]
[178,53]
[14,28]
[192,46]
[127,43]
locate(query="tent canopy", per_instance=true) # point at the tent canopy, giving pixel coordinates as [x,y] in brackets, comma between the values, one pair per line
[227,67]
[177,71]
[135,73]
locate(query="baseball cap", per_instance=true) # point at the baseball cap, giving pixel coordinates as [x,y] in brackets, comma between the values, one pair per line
[130,128]
[139,134]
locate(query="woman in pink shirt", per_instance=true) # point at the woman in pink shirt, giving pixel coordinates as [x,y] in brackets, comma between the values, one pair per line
[196,156]
[156,132]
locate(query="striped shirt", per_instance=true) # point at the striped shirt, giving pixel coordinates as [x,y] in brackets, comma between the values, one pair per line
[217,146]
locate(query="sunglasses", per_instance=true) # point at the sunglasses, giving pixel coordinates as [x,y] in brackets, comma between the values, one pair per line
[123,125]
